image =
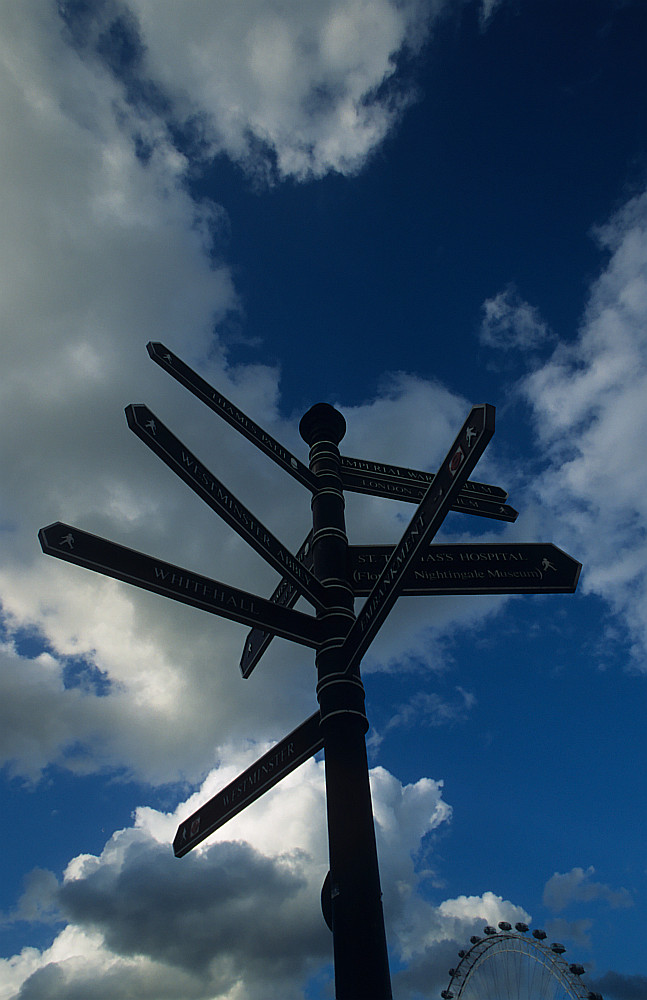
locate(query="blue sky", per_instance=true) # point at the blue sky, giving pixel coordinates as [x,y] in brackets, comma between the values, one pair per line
[402,209]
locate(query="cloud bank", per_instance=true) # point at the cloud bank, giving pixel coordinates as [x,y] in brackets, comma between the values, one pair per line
[104,249]
[589,405]
[240,916]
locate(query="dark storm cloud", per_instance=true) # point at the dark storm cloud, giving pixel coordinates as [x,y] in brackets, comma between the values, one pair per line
[52,983]
[230,902]
[614,986]
[427,974]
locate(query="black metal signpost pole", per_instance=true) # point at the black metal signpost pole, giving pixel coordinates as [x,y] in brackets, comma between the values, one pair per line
[359,939]
[329,575]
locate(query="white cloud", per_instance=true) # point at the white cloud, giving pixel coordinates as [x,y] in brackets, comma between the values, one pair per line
[589,404]
[488,10]
[577,886]
[425,708]
[103,250]
[436,934]
[239,917]
[309,85]
[511,322]
[621,987]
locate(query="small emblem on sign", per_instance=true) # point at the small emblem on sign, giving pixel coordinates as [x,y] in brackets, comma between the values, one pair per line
[456,461]
[67,540]
[469,434]
[195,826]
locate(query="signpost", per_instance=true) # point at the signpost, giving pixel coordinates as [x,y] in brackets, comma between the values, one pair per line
[330,574]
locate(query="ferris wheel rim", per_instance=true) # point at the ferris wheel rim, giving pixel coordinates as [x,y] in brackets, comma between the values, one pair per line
[532,947]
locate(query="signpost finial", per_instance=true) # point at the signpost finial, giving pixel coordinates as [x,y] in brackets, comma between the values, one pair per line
[322,422]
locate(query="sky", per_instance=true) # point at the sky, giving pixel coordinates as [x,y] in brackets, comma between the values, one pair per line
[403,208]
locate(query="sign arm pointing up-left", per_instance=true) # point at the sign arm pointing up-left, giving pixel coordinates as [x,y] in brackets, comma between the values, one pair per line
[236,418]
[173,453]
[64,541]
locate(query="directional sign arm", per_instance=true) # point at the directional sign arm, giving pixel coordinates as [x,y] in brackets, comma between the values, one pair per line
[286,594]
[353,469]
[453,473]
[467,501]
[173,453]
[84,549]
[479,568]
[301,744]
[235,417]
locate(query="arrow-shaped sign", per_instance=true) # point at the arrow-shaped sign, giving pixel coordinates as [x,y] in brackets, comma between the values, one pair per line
[413,492]
[301,744]
[286,594]
[76,546]
[220,405]
[381,471]
[463,455]
[159,439]
[481,568]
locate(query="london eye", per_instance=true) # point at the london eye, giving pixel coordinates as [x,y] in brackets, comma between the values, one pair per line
[507,964]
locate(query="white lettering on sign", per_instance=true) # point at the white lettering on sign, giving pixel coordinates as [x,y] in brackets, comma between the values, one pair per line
[250,780]
[448,574]
[206,590]
[238,417]
[489,556]
[243,517]
[393,471]
[397,559]
[386,486]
